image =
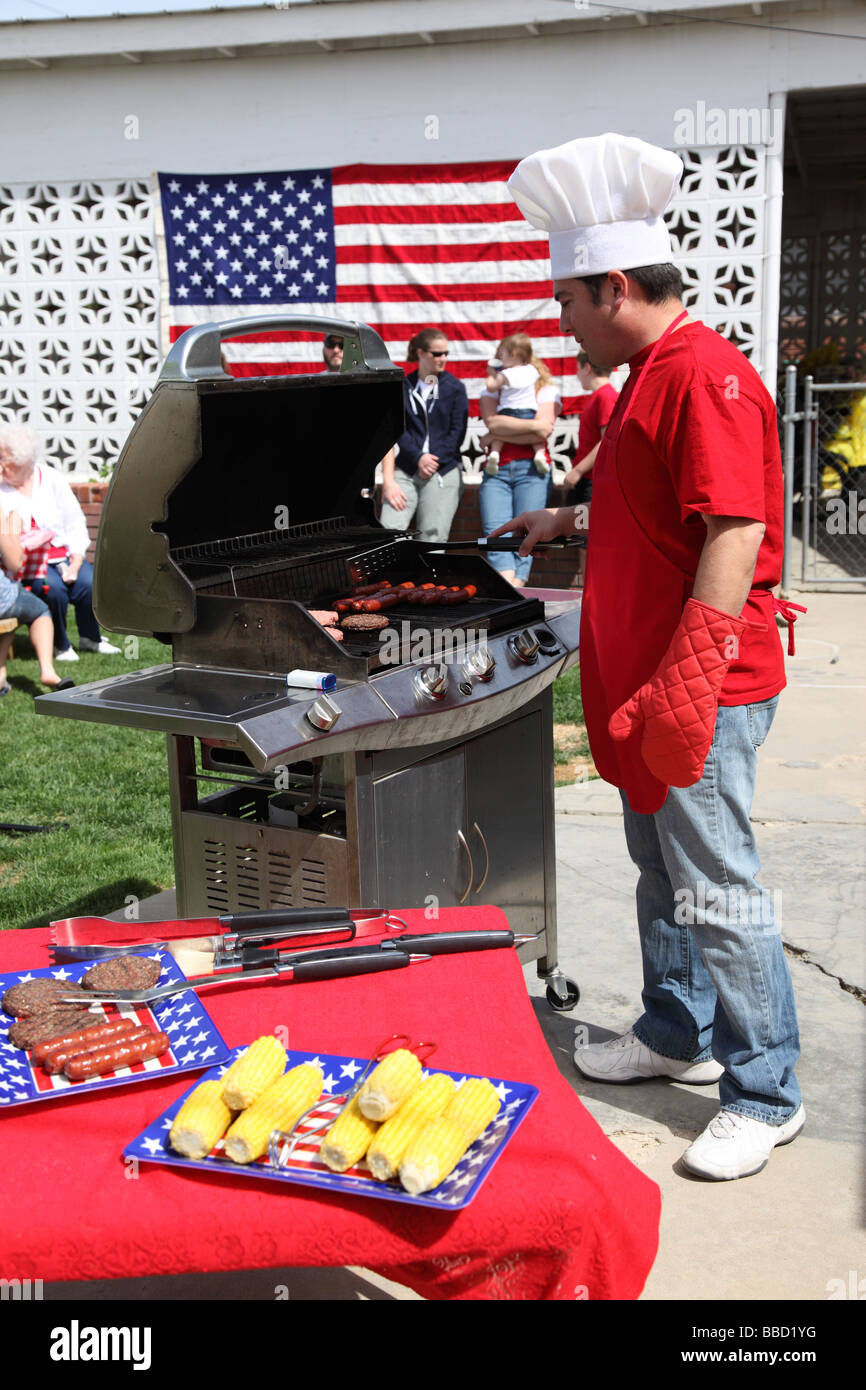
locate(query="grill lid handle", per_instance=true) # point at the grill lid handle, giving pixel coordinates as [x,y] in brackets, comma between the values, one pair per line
[196,354]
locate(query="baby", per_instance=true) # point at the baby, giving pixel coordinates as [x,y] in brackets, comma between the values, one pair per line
[514,381]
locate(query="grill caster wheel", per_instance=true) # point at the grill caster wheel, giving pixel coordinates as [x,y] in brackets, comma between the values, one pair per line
[562,994]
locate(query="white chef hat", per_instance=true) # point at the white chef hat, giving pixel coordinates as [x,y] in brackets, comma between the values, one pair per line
[601,201]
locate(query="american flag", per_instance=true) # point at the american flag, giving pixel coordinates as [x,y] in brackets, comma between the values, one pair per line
[397,246]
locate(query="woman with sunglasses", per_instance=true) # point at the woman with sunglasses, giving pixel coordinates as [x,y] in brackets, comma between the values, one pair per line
[427,482]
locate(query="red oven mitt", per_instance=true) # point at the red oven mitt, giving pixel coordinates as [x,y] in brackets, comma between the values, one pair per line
[677,708]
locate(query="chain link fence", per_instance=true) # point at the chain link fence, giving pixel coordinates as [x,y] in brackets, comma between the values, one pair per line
[824,438]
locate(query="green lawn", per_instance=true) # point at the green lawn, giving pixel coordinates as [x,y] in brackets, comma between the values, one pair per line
[109,784]
[567,706]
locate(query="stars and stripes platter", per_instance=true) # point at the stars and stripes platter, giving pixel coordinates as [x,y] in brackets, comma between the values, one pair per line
[304,1167]
[195,1040]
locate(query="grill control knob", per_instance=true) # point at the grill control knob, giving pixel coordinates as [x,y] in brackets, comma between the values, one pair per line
[524,645]
[324,713]
[480,663]
[432,681]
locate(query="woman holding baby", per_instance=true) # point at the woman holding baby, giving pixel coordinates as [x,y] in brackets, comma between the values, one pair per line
[519,406]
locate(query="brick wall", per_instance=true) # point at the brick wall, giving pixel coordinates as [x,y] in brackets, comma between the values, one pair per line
[91,497]
[556,570]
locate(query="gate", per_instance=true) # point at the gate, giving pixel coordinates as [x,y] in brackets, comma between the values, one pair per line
[825,481]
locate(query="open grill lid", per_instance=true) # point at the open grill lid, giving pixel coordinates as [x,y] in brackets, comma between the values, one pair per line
[213,457]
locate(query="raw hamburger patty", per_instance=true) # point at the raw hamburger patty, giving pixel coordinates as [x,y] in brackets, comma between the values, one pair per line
[122,972]
[27,1032]
[365,622]
[35,996]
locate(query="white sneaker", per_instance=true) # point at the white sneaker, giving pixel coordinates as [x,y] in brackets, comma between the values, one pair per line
[627,1059]
[735,1146]
[70,654]
[491,467]
[542,467]
[87,644]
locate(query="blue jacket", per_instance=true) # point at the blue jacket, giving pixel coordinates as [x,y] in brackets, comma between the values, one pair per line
[445,416]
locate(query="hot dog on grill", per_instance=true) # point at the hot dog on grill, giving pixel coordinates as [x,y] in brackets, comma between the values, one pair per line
[122,1054]
[82,1039]
[360,590]
[382,600]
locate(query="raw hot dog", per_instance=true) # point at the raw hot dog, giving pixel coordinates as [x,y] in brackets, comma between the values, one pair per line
[84,1039]
[123,1054]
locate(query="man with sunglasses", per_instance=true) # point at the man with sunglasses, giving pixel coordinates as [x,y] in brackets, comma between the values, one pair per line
[424,483]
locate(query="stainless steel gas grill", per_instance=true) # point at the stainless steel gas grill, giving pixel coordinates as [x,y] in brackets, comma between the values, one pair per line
[425,778]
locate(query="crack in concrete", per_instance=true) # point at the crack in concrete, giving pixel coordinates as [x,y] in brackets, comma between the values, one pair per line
[800,953]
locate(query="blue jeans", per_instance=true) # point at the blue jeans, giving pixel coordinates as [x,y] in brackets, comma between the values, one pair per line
[716,981]
[80,595]
[516,488]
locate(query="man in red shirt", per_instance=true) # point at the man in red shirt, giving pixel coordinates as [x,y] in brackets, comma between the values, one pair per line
[681,663]
[594,419]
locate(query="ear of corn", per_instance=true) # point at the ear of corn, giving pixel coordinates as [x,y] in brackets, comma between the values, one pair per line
[474,1106]
[203,1118]
[393,1080]
[432,1154]
[391,1141]
[279,1107]
[439,1146]
[253,1072]
[347,1140]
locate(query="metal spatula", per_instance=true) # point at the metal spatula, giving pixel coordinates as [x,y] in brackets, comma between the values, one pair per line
[298,968]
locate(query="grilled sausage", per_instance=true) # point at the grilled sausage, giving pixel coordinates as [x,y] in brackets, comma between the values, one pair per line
[360,590]
[123,1054]
[382,600]
[84,1038]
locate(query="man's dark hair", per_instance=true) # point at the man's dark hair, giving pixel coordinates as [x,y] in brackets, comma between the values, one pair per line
[658,282]
[584,360]
[332,341]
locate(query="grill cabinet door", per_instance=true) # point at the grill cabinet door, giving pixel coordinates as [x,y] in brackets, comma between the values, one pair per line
[506,772]
[418,813]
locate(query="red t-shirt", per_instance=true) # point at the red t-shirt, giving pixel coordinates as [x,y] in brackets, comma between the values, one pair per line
[702,439]
[596,412]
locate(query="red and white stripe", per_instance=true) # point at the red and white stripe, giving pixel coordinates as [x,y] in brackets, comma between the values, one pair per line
[419,246]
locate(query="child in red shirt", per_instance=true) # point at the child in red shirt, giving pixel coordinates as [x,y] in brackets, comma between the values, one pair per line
[593,422]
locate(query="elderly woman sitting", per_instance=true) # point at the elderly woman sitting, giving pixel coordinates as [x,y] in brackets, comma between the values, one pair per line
[17,603]
[44,499]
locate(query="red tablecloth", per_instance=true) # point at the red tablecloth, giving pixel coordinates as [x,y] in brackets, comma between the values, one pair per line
[563,1215]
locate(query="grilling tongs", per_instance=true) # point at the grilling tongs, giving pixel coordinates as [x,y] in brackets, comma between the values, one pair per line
[85,938]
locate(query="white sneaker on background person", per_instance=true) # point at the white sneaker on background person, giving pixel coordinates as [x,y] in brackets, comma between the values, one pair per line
[736,1146]
[69,654]
[627,1059]
[104,648]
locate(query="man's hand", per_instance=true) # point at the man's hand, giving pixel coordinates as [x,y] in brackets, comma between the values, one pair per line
[546,525]
[572,477]
[69,572]
[427,465]
[394,495]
